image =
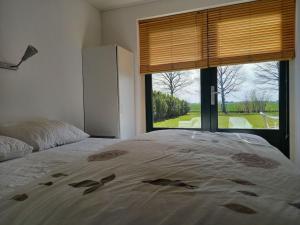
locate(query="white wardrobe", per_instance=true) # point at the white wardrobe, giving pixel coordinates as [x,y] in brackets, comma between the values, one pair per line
[108,77]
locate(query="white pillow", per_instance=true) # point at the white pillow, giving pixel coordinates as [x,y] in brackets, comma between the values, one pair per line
[11,148]
[43,134]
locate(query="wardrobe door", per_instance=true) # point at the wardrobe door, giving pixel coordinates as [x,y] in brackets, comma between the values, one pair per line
[101,91]
[126,93]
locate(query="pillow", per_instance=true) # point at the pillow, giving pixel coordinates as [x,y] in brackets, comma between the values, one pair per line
[43,134]
[11,148]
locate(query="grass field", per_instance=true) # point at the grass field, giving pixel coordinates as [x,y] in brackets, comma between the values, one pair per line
[237,106]
[256,120]
[173,123]
[195,107]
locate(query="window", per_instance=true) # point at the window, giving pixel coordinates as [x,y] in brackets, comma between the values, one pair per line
[176,99]
[248,96]
[234,64]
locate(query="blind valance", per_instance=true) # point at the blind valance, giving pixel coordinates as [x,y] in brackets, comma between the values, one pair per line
[243,33]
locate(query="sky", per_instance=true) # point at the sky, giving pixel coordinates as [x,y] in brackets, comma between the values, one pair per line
[192,93]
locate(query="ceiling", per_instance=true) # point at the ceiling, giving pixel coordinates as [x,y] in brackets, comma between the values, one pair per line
[115,4]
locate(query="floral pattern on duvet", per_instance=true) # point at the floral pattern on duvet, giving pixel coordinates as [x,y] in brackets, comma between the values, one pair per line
[162,175]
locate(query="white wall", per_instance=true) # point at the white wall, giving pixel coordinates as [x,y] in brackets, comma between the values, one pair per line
[120,26]
[295,94]
[297,89]
[49,84]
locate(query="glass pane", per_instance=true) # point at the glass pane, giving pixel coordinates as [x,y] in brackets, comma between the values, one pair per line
[248,96]
[176,99]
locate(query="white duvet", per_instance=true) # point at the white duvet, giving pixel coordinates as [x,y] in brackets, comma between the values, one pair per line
[18,172]
[165,178]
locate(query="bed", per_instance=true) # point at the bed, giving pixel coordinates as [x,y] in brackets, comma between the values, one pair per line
[21,171]
[171,177]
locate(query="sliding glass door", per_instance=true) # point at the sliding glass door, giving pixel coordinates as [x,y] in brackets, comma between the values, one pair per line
[250,98]
[176,99]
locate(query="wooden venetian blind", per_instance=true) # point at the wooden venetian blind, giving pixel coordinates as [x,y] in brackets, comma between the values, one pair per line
[251,32]
[256,31]
[173,43]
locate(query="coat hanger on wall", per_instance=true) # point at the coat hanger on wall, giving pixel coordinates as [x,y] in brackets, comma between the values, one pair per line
[30,51]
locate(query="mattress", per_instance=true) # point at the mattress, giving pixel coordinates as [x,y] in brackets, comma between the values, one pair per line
[167,178]
[18,172]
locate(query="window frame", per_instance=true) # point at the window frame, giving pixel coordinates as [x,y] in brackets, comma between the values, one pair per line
[209,115]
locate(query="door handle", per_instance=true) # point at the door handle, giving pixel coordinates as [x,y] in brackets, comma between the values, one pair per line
[213,93]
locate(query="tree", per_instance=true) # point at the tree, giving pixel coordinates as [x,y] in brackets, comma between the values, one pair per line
[267,74]
[229,80]
[256,102]
[173,81]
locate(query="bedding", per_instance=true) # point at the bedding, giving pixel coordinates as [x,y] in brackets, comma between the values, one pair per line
[18,172]
[11,148]
[43,134]
[167,178]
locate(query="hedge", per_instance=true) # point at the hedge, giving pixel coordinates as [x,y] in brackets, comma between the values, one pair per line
[166,106]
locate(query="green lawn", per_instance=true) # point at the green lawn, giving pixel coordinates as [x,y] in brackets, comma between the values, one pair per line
[256,120]
[173,123]
[238,106]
